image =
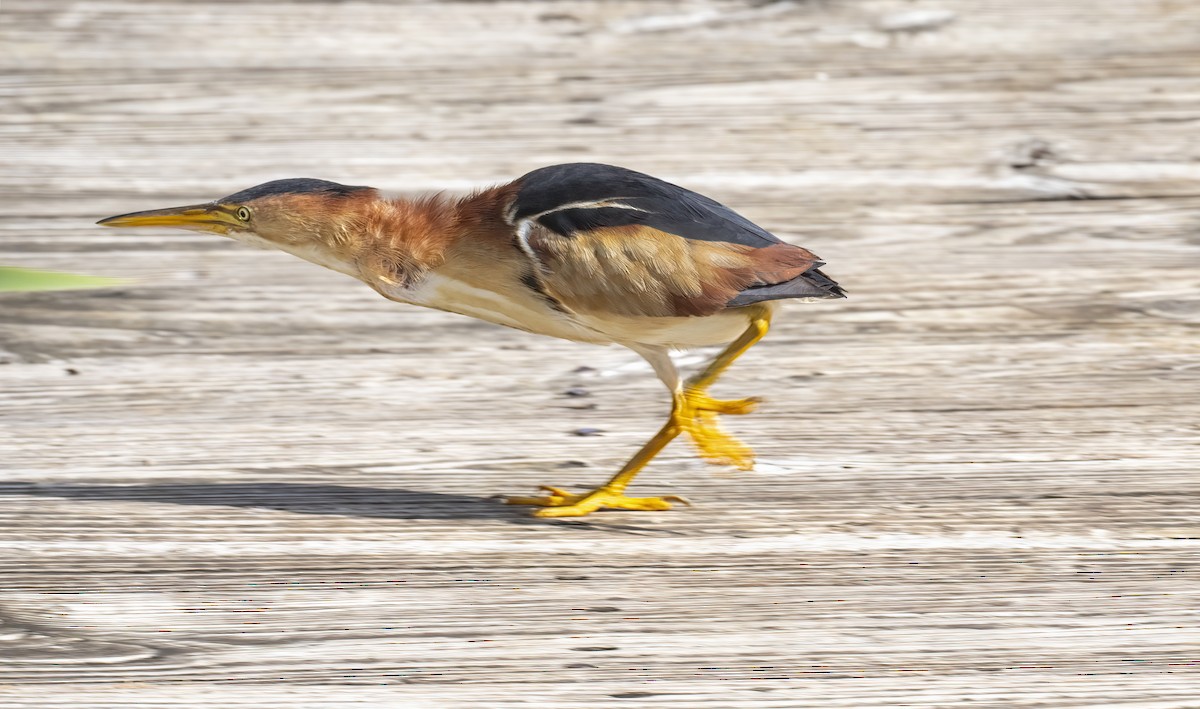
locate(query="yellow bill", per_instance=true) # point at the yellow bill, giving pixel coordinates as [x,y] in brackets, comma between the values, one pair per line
[209,218]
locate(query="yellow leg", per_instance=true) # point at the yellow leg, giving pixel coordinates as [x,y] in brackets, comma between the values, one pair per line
[611,495]
[693,412]
[713,444]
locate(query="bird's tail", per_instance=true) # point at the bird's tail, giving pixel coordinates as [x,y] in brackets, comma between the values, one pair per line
[813,283]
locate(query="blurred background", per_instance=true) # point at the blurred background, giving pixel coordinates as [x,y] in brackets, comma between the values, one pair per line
[236,478]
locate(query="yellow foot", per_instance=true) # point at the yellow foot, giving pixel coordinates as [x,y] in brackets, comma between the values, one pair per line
[716,446]
[701,401]
[560,503]
[698,418]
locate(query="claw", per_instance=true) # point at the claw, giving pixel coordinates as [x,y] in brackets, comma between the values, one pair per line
[698,418]
[695,414]
[734,407]
[560,503]
[555,491]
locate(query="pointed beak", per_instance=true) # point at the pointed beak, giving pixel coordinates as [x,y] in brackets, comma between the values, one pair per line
[196,217]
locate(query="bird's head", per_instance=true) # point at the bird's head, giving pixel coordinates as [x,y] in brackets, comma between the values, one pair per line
[288,213]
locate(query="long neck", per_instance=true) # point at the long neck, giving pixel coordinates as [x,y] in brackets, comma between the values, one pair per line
[390,244]
[395,241]
[402,240]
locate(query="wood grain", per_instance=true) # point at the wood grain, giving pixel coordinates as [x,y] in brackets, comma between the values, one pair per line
[243,481]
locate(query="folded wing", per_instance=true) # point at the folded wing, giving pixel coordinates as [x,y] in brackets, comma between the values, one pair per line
[604,239]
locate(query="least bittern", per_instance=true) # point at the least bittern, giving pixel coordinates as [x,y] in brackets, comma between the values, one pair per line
[585,252]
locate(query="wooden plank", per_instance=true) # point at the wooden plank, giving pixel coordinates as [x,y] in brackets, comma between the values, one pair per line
[244,481]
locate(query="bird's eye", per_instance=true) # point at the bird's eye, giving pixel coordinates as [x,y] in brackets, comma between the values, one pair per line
[243,214]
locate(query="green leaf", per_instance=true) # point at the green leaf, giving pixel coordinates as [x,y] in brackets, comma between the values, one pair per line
[27,279]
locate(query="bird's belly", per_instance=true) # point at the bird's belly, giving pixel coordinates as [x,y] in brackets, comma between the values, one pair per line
[517,310]
[524,310]
[681,333]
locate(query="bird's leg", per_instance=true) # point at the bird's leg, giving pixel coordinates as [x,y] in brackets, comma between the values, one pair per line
[700,419]
[610,495]
[693,412]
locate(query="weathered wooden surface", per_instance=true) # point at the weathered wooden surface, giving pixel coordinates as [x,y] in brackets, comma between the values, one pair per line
[244,481]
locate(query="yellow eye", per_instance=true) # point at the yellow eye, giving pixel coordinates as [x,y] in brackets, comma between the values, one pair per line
[243,214]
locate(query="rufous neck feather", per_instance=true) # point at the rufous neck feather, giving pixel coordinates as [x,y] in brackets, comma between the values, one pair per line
[380,241]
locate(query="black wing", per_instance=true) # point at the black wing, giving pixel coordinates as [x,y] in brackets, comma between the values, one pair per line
[549,195]
[576,200]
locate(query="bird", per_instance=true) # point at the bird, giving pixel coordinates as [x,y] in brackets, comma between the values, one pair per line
[586,252]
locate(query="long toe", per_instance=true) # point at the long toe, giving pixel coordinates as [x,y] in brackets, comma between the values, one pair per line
[560,503]
[554,497]
[604,500]
[734,407]
[716,446]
